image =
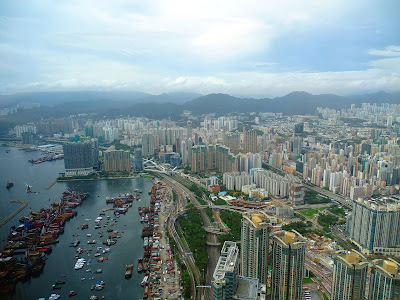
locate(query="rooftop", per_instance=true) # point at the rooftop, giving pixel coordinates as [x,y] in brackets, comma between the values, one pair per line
[227,260]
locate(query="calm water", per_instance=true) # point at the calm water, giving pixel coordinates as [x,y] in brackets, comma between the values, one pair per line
[14,167]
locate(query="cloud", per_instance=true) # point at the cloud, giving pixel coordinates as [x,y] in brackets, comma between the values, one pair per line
[254,48]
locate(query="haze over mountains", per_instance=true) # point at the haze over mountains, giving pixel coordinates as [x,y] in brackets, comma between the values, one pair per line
[173,104]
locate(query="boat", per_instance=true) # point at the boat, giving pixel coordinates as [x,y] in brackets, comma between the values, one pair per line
[59,282]
[75,243]
[92,242]
[54,297]
[99,271]
[72,293]
[128,271]
[56,287]
[80,263]
[9,185]
[85,226]
[140,265]
[138,191]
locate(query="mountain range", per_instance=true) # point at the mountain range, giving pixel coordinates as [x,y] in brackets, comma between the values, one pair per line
[171,105]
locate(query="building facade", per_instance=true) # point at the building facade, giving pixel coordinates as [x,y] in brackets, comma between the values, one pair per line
[349,276]
[78,158]
[254,255]
[385,280]
[375,223]
[288,254]
[117,161]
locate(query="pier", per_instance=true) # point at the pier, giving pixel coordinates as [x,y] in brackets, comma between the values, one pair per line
[51,184]
[24,204]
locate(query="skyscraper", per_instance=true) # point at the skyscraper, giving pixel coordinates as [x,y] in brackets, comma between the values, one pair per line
[117,161]
[224,283]
[385,280]
[250,141]
[349,276]
[254,241]
[148,144]
[288,251]
[78,158]
[138,159]
[375,223]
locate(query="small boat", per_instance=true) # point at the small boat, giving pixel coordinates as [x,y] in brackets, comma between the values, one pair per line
[99,271]
[56,287]
[72,293]
[59,282]
[75,243]
[128,271]
[9,185]
[92,242]
[140,265]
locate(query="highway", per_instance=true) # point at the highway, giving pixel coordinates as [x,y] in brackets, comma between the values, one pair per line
[339,198]
[212,238]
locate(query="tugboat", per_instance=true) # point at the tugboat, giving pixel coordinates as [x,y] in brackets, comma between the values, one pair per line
[128,271]
[9,185]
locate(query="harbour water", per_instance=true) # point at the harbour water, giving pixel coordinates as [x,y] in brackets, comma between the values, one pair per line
[14,167]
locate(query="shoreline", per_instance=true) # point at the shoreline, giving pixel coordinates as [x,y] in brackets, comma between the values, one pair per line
[105,178]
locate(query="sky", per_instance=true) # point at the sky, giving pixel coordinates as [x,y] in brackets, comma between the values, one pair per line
[243,48]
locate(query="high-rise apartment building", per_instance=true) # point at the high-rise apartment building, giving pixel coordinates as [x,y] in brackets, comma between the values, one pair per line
[385,280]
[78,158]
[226,283]
[250,141]
[117,161]
[375,223]
[254,253]
[224,277]
[148,144]
[349,276]
[288,251]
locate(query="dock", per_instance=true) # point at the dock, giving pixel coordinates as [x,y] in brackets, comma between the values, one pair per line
[51,184]
[24,204]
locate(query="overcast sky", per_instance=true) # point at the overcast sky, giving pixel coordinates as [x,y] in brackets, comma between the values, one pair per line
[244,48]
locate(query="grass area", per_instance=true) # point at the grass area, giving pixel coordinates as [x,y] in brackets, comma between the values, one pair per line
[307,280]
[311,212]
[325,297]
[192,225]
[220,202]
[234,222]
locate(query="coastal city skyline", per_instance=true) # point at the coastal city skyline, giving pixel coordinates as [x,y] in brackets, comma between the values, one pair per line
[211,150]
[315,196]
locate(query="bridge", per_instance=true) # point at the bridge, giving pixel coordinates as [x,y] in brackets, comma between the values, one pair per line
[213,244]
[213,230]
[151,165]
